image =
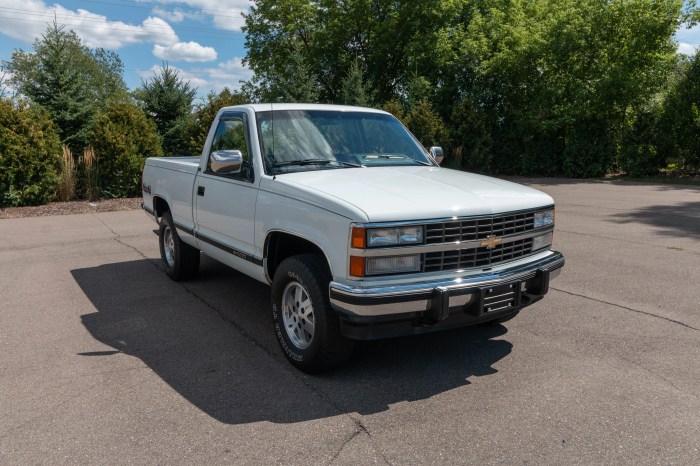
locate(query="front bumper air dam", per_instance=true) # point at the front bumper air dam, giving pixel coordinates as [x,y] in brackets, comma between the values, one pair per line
[381,312]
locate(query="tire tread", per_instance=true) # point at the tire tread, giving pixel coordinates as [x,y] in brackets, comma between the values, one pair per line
[335,348]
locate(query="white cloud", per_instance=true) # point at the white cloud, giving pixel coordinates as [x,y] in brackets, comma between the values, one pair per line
[228,74]
[687,49]
[184,51]
[225,14]
[26,20]
[176,15]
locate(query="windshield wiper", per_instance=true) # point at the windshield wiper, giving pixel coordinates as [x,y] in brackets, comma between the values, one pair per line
[383,156]
[313,162]
[394,156]
[302,162]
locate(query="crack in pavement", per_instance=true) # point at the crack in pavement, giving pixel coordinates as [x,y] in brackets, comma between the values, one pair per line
[651,314]
[117,238]
[359,426]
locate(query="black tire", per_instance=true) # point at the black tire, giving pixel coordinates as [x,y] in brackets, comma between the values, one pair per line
[325,347]
[180,260]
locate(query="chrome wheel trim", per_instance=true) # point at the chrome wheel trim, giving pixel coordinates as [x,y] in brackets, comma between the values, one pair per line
[298,315]
[169,247]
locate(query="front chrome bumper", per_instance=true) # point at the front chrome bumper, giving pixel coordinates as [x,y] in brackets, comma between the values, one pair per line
[442,297]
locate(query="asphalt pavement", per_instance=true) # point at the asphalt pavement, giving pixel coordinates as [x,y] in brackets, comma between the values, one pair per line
[104,360]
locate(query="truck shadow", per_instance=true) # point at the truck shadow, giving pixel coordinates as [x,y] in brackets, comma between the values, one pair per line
[211,340]
[671,220]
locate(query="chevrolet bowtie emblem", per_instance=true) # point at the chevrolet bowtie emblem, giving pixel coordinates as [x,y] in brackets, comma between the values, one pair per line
[491,242]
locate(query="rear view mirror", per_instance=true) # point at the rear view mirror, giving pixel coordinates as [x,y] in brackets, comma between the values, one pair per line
[226,162]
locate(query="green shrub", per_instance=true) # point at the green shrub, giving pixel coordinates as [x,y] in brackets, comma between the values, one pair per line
[426,124]
[470,138]
[589,149]
[679,128]
[543,149]
[30,154]
[122,139]
[639,154]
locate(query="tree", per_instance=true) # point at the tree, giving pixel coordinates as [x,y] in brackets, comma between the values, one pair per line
[167,99]
[679,125]
[387,37]
[560,77]
[553,81]
[122,138]
[470,138]
[426,124]
[291,81]
[205,113]
[71,81]
[355,89]
[30,152]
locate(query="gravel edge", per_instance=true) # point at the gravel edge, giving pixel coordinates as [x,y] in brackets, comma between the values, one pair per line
[72,208]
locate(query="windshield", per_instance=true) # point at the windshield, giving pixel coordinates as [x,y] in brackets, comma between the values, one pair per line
[302,140]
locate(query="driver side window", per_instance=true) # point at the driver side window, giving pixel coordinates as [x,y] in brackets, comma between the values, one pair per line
[231,134]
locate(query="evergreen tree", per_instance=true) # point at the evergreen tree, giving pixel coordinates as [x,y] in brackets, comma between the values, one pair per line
[294,82]
[355,89]
[167,99]
[69,80]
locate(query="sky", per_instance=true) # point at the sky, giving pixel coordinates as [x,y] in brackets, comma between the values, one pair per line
[201,38]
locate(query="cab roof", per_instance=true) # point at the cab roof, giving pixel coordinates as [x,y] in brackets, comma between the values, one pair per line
[275,106]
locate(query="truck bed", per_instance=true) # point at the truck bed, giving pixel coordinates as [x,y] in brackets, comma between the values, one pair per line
[173,178]
[182,164]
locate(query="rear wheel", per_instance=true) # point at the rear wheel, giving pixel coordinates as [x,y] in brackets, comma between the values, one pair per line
[180,260]
[307,328]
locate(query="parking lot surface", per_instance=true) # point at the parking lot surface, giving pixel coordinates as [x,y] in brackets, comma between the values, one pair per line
[103,359]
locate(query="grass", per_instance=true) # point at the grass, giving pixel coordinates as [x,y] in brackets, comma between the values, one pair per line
[66,187]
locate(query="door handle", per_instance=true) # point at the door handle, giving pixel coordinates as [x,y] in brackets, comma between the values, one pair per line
[200,190]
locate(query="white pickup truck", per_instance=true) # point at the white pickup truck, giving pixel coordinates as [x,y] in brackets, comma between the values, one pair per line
[358,230]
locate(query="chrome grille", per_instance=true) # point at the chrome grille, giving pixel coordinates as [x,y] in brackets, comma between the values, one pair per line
[476,257]
[479,228]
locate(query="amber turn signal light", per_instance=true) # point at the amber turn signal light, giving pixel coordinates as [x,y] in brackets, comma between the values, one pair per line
[359,237]
[357,266]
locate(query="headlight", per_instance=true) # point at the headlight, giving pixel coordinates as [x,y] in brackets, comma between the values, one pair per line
[544,218]
[379,237]
[541,242]
[393,264]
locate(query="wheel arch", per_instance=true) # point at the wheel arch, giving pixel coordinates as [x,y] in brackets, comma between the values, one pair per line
[160,206]
[280,244]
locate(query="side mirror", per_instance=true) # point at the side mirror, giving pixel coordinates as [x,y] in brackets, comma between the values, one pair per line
[226,162]
[436,153]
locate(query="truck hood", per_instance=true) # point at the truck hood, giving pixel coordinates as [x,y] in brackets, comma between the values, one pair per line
[417,192]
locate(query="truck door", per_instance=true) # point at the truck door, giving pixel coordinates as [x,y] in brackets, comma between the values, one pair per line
[225,203]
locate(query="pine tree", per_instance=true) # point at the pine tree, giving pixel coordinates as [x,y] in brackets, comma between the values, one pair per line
[355,89]
[49,77]
[167,99]
[295,83]
[69,80]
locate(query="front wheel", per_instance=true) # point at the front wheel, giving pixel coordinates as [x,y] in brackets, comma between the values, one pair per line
[307,328]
